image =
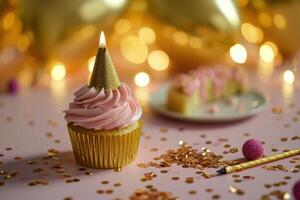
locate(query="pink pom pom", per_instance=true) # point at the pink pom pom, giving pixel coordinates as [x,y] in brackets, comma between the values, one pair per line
[253,149]
[296,190]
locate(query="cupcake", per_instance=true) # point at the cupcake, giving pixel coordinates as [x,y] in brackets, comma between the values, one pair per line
[203,85]
[104,119]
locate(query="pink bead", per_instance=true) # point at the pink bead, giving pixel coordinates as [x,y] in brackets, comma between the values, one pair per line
[253,149]
[296,190]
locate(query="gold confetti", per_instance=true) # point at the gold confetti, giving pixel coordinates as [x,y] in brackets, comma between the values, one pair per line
[277,110]
[104,182]
[192,192]
[117,184]
[72,180]
[109,191]
[88,173]
[275,168]
[150,194]
[283,139]
[163,130]
[154,149]
[189,180]
[37,170]
[100,191]
[142,165]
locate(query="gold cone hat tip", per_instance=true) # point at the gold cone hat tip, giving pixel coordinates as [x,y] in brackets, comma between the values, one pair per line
[104,74]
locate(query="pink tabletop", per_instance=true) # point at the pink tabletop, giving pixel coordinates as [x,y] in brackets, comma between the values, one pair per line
[32,123]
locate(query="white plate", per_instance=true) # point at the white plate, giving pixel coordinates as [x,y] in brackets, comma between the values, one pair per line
[247,105]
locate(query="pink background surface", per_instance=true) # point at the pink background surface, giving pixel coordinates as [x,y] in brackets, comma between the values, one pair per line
[40,105]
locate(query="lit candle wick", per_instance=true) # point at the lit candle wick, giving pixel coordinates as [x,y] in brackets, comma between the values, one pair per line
[102,42]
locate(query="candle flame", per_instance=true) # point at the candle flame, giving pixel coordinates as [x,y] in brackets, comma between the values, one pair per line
[102,42]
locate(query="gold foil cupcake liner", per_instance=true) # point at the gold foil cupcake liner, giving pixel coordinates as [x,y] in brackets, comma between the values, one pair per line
[105,150]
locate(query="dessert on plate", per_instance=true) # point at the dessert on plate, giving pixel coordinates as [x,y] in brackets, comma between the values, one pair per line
[206,84]
[104,119]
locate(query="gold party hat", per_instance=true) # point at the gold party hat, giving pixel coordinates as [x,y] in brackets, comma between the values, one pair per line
[104,74]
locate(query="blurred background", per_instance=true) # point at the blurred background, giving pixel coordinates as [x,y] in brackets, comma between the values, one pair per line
[50,41]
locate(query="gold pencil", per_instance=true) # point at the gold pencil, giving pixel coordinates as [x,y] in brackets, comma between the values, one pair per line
[254,163]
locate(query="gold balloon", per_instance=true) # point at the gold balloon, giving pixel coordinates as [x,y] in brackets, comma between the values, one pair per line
[280,22]
[54,23]
[196,32]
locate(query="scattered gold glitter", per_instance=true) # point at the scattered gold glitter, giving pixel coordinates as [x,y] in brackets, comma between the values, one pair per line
[163,171]
[187,157]
[49,134]
[209,190]
[237,180]
[283,139]
[216,196]
[233,150]
[142,165]
[246,134]
[294,170]
[72,180]
[223,140]
[52,123]
[278,194]
[235,190]
[88,173]
[163,139]
[31,162]
[57,141]
[226,145]
[109,191]
[235,175]
[268,186]
[148,176]
[249,177]
[149,186]
[68,198]
[38,182]
[192,192]
[100,191]
[104,182]
[295,138]
[189,180]
[175,178]
[208,142]
[277,110]
[163,130]
[18,158]
[287,177]
[37,170]
[275,168]
[8,149]
[117,184]
[274,150]
[203,136]
[118,169]
[151,194]
[154,149]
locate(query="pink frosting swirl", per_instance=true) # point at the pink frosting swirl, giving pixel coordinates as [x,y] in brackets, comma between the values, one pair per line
[104,110]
